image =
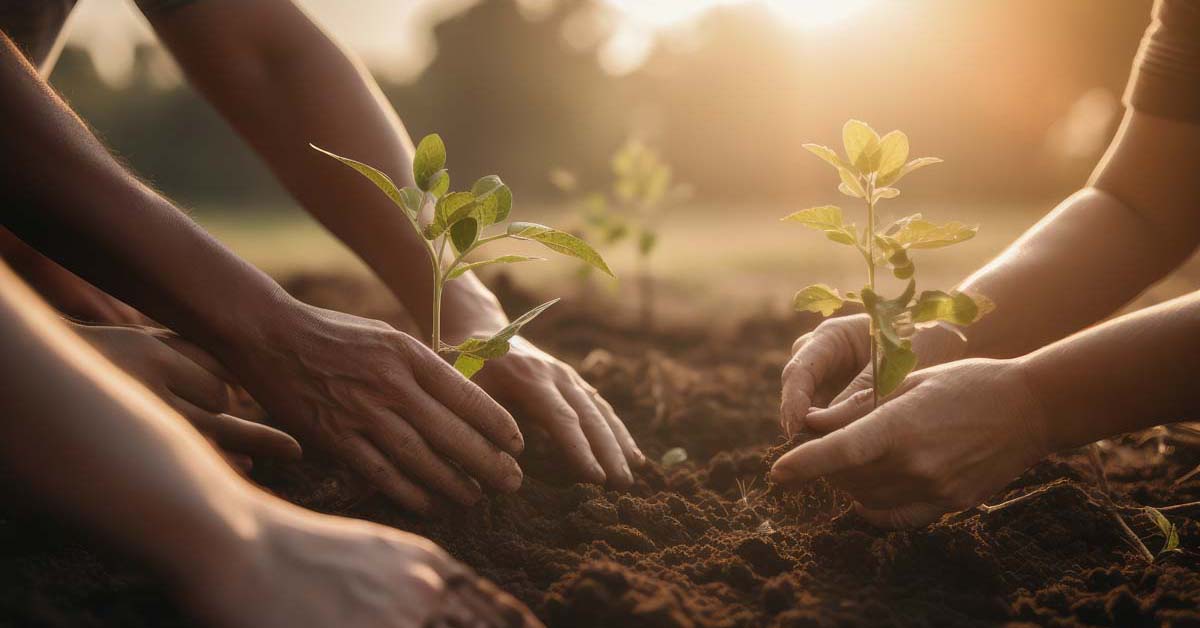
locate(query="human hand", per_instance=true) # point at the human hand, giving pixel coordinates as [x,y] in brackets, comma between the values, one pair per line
[833,362]
[556,398]
[190,381]
[66,291]
[380,401]
[951,436]
[305,570]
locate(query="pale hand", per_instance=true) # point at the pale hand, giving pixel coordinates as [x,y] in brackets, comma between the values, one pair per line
[950,437]
[582,424]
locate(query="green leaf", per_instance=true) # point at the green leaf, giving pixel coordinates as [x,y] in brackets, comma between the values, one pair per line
[862,146]
[449,209]
[674,456]
[956,307]
[893,150]
[381,181]
[826,218]
[850,185]
[491,187]
[559,242]
[922,234]
[896,361]
[474,352]
[818,298]
[430,157]
[881,193]
[1166,528]
[439,183]
[828,154]
[503,259]
[468,364]
[915,164]
[464,233]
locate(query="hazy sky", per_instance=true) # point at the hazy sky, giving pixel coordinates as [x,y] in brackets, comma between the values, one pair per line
[395,37]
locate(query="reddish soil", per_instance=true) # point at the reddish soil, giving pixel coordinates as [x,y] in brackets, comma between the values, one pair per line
[683,547]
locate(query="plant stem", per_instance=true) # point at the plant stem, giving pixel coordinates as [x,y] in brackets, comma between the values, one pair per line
[870,188]
[1134,539]
[1177,506]
[1020,498]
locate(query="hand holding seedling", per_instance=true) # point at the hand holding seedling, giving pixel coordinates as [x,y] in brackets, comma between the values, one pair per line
[524,377]
[950,437]
[871,167]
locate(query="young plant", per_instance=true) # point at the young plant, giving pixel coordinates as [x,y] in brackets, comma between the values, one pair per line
[455,229]
[869,171]
[643,187]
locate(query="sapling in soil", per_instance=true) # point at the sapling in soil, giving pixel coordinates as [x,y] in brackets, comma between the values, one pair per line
[643,187]
[869,171]
[455,229]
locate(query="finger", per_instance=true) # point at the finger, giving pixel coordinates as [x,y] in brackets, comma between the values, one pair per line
[801,377]
[192,382]
[600,435]
[191,352]
[507,610]
[633,454]
[914,515]
[453,438]
[405,446]
[547,407]
[468,401]
[239,435]
[853,446]
[863,381]
[371,464]
[837,416]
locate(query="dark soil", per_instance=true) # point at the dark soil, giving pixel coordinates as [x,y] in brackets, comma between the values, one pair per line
[708,542]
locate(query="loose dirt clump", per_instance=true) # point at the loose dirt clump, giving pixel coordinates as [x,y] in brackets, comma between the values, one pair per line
[707,542]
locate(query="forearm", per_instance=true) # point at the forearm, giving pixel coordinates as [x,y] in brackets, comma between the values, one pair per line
[1099,248]
[1128,374]
[90,444]
[295,86]
[64,194]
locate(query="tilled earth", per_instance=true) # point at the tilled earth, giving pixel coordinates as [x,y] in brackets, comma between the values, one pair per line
[707,542]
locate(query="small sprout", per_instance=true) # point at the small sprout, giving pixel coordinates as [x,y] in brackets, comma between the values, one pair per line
[673,457]
[765,527]
[643,187]
[746,493]
[871,167]
[455,230]
[1166,528]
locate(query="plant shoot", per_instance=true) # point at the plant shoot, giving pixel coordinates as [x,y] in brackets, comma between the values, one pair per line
[869,171]
[455,228]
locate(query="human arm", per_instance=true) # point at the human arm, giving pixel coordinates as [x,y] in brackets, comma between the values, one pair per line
[282,83]
[87,443]
[956,433]
[375,398]
[1100,248]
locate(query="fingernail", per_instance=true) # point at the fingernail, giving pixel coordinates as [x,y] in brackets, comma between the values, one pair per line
[518,444]
[640,457]
[512,482]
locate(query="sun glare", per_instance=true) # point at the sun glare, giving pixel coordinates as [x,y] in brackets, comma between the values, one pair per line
[803,13]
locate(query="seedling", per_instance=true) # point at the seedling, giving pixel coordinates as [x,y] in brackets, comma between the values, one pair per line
[642,189]
[869,171]
[1166,528]
[454,230]
[674,456]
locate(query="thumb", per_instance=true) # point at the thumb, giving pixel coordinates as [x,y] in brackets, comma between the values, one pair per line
[843,413]
[863,381]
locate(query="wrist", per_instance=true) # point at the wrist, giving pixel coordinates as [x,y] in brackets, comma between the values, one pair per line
[209,547]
